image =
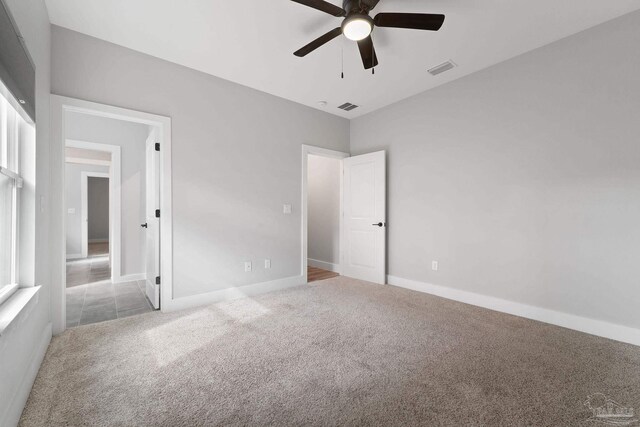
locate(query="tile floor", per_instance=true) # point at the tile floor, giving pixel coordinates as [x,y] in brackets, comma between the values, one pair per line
[93,269]
[102,301]
[92,298]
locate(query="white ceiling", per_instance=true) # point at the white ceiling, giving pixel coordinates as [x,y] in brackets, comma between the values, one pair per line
[251,42]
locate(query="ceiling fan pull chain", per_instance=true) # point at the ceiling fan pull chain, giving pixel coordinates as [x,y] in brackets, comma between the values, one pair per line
[373,56]
[342,59]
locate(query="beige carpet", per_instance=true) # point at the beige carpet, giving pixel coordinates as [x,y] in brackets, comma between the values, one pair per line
[337,352]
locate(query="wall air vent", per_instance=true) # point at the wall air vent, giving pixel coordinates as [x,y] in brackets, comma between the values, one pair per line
[347,106]
[439,69]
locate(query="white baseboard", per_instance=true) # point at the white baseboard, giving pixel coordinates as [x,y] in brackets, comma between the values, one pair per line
[570,321]
[12,417]
[98,240]
[323,265]
[231,293]
[130,278]
[74,256]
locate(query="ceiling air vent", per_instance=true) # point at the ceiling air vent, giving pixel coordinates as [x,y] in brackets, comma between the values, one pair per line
[347,106]
[439,69]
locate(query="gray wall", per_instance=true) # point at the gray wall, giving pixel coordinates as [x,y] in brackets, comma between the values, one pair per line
[98,208]
[523,180]
[131,137]
[73,172]
[323,209]
[236,158]
[22,345]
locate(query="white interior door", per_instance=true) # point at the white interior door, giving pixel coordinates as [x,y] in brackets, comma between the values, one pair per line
[153,224]
[365,193]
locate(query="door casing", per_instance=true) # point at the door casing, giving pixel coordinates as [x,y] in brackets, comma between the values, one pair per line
[59,106]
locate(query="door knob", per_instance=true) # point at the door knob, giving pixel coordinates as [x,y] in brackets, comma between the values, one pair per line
[143,225]
[380,224]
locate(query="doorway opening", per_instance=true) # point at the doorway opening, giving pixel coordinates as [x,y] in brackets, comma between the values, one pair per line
[109,190]
[361,236]
[136,267]
[98,218]
[88,221]
[322,213]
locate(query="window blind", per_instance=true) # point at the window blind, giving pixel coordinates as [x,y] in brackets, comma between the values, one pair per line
[16,67]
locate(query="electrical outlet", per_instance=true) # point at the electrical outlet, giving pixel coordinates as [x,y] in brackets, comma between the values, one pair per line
[434,265]
[247,266]
[267,264]
[286,209]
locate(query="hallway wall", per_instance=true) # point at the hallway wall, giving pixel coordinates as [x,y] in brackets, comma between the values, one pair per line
[131,137]
[323,183]
[73,173]
[98,209]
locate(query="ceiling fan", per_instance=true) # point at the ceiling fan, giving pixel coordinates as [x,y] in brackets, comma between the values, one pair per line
[358,25]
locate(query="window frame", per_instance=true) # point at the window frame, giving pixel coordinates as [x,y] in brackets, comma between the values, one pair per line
[10,145]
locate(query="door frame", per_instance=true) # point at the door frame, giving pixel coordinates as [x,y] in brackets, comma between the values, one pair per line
[324,152]
[60,105]
[150,282]
[115,211]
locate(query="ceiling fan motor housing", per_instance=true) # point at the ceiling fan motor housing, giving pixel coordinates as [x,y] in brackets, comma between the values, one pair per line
[355,6]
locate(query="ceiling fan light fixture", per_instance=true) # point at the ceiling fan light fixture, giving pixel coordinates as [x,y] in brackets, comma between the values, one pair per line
[357,27]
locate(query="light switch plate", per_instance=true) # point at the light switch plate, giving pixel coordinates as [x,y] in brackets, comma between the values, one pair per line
[247,266]
[71,211]
[434,265]
[286,209]
[267,264]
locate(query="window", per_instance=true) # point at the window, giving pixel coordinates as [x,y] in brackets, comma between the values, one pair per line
[10,184]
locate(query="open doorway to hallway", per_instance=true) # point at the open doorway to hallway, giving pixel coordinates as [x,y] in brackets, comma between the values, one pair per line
[93,214]
[323,190]
[140,237]
[106,195]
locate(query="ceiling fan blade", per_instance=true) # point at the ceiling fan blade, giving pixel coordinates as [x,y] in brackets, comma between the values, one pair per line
[323,6]
[368,53]
[318,42]
[415,21]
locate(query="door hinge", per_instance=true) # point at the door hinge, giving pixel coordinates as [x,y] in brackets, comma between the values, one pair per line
[157,146]
[157,280]
[157,213]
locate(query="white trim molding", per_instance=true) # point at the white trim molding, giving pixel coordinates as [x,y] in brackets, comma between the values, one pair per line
[323,265]
[17,306]
[82,161]
[233,293]
[74,256]
[325,152]
[130,278]
[565,320]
